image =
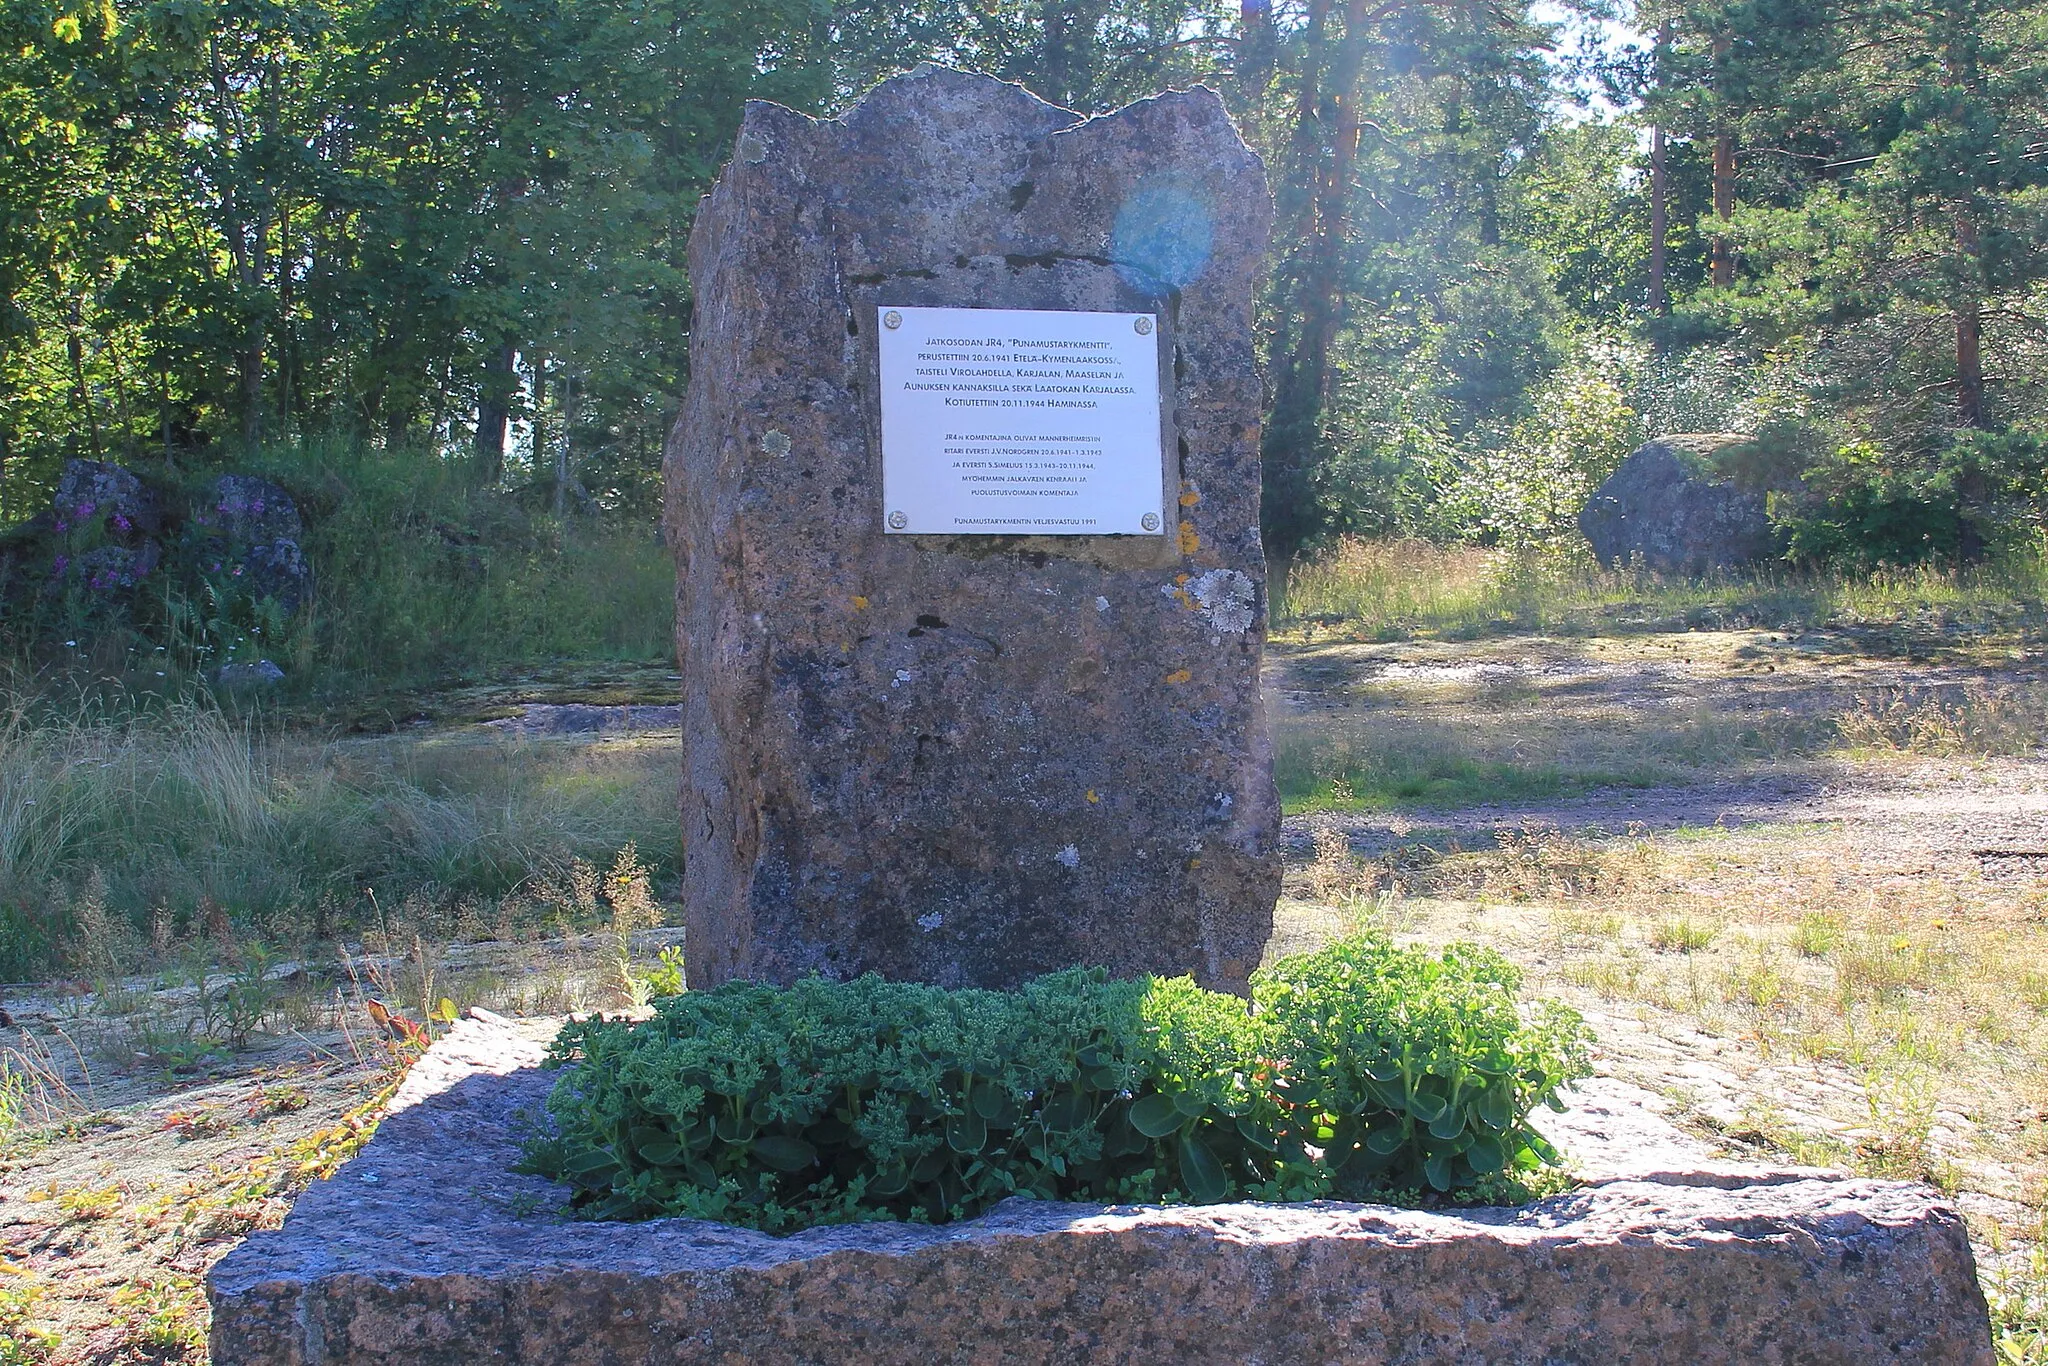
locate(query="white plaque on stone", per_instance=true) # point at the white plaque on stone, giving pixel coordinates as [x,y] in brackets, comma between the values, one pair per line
[1010,421]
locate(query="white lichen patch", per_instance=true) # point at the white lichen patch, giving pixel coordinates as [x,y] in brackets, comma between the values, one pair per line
[930,921]
[1227,597]
[1069,857]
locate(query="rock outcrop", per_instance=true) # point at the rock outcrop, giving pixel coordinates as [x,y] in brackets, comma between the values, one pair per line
[968,759]
[1669,508]
[111,532]
[259,525]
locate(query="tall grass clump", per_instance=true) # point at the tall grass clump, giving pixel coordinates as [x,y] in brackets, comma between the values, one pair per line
[423,573]
[1389,590]
[112,819]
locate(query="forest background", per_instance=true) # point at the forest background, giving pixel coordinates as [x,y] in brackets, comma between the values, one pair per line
[422,262]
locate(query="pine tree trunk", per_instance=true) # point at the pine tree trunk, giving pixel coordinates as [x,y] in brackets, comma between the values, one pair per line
[1305,388]
[494,411]
[75,349]
[1254,47]
[1721,253]
[568,388]
[537,363]
[1660,195]
[1969,313]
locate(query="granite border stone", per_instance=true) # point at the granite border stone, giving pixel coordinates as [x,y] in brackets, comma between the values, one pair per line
[426,1248]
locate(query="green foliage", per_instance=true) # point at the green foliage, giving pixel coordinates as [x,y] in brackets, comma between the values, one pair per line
[419,573]
[1870,507]
[665,978]
[1363,1067]
[1524,495]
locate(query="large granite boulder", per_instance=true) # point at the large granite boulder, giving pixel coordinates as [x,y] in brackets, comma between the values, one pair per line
[93,494]
[425,1248]
[968,759]
[259,525]
[1673,506]
[103,528]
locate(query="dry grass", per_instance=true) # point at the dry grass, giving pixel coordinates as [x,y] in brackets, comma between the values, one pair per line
[1890,1022]
[1394,590]
[143,1145]
[117,829]
[1432,724]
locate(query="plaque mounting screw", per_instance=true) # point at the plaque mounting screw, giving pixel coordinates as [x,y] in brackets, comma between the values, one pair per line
[899,521]
[892,319]
[1144,326]
[1150,521]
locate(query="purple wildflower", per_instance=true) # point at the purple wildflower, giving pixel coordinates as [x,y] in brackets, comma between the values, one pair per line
[121,522]
[63,563]
[85,509]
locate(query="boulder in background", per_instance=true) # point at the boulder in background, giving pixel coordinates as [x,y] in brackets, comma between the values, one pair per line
[1673,506]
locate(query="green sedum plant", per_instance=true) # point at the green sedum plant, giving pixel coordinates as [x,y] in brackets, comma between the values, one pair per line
[1364,1067]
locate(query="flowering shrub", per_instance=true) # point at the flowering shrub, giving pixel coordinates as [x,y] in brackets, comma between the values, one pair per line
[1364,1067]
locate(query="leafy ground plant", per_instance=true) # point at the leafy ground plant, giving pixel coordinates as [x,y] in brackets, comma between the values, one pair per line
[1363,1067]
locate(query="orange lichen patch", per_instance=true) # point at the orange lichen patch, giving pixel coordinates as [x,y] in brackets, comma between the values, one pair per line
[860,604]
[1189,498]
[1189,541]
[1179,676]
[1092,798]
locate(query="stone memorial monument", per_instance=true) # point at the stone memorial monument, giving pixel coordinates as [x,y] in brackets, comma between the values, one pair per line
[970,614]
[970,598]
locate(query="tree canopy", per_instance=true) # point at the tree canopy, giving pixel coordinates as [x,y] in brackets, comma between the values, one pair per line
[456,228]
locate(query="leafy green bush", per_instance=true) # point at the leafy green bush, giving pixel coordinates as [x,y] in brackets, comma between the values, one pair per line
[1363,1067]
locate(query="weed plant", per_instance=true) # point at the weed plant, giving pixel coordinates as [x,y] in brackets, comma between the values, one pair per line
[1363,1067]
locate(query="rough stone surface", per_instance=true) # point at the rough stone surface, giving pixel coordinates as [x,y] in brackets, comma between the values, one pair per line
[260,524]
[1666,505]
[967,760]
[248,676]
[94,491]
[425,1249]
[248,510]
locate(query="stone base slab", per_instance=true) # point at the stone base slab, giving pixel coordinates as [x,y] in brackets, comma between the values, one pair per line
[426,1249]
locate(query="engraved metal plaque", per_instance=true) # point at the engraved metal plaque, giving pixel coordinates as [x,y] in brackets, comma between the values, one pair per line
[999,421]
